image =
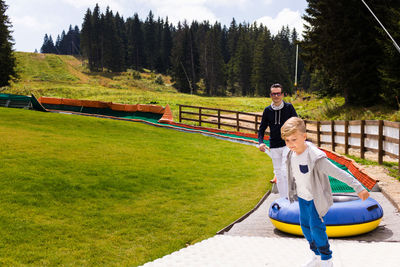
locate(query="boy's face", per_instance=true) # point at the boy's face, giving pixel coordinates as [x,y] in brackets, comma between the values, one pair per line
[296,142]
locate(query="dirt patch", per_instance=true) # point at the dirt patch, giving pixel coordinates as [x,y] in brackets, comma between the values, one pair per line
[389,186]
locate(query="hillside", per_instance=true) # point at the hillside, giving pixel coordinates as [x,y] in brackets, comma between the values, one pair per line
[67,76]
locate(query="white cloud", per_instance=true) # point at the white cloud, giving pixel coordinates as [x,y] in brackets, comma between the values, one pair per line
[285,17]
[227,3]
[114,5]
[268,2]
[189,13]
[180,10]
[30,22]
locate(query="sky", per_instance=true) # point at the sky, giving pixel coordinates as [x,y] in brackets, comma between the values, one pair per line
[32,19]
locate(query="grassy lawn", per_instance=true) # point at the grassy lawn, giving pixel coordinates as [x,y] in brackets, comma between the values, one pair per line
[83,191]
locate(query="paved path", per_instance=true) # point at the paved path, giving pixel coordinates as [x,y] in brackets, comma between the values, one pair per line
[255,242]
[231,251]
[258,224]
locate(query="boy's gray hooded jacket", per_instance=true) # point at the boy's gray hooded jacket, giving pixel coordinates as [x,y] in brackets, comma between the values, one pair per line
[320,167]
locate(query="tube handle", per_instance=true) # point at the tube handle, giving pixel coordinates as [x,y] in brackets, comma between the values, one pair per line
[276,206]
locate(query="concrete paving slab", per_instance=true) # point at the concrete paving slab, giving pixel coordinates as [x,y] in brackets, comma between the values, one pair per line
[225,250]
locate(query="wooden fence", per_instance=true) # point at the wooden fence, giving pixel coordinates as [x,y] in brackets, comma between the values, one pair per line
[378,136]
[225,119]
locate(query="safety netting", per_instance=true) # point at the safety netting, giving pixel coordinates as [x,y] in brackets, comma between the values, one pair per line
[149,113]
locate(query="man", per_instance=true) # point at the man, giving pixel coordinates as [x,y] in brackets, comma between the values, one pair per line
[274,116]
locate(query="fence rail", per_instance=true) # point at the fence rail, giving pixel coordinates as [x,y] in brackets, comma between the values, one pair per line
[378,136]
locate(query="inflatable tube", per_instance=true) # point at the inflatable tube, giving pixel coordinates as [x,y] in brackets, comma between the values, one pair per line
[348,216]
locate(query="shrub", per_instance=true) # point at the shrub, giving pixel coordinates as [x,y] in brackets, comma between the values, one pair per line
[159,80]
[136,75]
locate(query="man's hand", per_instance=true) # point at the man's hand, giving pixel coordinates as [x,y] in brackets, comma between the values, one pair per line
[262,147]
[363,194]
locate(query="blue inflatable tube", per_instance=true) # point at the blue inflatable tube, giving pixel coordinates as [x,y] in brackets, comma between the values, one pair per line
[348,216]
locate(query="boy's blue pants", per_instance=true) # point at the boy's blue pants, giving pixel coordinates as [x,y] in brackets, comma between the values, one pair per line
[314,229]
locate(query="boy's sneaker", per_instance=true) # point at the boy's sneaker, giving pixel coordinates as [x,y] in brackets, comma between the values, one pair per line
[327,263]
[315,261]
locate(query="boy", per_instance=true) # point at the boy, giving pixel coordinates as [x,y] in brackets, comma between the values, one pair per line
[307,171]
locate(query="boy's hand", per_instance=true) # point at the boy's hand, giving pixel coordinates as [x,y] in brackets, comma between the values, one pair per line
[363,194]
[263,147]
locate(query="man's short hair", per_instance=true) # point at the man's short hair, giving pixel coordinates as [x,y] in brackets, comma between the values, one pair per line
[277,85]
[291,126]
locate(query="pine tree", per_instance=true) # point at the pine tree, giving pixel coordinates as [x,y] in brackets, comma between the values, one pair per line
[135,50]
[262,66]
[243,62]
[389,69]
[97,39]
[44,49]
[166,46]
[76,41]
[233,35]
[341,42]
[109,39]
[48,45]
[279,73]
[212,61]
[185,60]
[285,59]
[150,41]
[7,59]
[158,62]
[86,39]
[63,45]
[120,44]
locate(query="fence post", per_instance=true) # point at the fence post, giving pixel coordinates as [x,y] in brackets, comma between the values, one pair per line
[333,134]
[200,116]
[255,125]
[219,119]
[398,156]
[180,111]
[237,122]
[362,139]
[380,142]
[346,137]
[318,134]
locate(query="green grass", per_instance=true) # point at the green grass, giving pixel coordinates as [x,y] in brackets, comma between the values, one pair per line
[82,191]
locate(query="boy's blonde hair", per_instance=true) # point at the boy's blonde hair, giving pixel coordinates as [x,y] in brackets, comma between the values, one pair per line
[291,126]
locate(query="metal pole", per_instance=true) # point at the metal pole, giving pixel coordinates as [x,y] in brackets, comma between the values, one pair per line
[383,27]
[297,60]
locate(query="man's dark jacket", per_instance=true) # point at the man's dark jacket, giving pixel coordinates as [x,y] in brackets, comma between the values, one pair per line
[275,119]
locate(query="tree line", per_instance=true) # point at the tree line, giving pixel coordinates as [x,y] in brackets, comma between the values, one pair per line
[348,53]
[242,59]
[66,44]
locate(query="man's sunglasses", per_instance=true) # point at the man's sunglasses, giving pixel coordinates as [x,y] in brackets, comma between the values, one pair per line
[276,94]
